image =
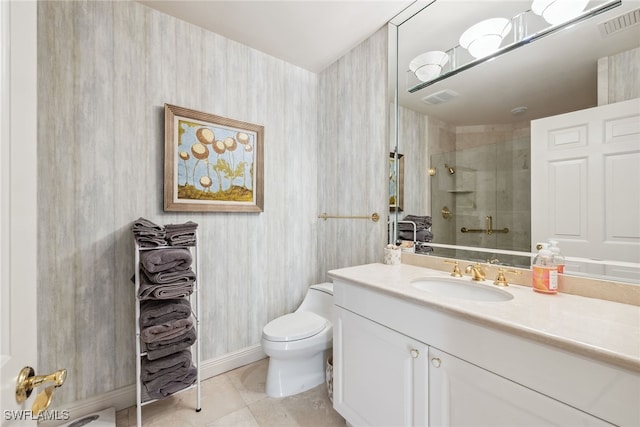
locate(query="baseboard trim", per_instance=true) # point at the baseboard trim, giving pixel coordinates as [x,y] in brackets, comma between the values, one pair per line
[125,397]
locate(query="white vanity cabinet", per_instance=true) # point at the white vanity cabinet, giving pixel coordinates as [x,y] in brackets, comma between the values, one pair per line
[398,362]
[462,394]
[380,376]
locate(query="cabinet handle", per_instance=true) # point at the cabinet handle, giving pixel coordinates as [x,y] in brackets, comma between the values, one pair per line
[414,353]
[436,362]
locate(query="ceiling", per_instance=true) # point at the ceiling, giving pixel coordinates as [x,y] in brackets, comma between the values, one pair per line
[549,76]
[311,34]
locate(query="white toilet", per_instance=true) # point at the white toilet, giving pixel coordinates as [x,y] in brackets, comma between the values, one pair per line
[298,344]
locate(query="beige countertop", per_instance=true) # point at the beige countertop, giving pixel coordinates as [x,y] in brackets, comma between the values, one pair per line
[603,330]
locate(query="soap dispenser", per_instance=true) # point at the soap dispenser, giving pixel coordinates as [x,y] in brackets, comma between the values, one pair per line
[545,271]
[557,255]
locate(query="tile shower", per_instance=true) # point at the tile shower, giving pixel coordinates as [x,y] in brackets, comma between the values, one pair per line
[482,171]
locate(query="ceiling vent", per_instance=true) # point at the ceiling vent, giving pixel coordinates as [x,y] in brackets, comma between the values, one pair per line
[439,97]
[619,23]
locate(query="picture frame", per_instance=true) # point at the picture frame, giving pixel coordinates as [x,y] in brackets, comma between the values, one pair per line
[212,163]
[396,182]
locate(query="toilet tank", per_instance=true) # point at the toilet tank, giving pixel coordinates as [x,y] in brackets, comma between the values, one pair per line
[319,300]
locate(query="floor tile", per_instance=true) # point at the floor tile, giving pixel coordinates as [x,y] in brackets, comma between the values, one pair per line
[239,418]
[237,398]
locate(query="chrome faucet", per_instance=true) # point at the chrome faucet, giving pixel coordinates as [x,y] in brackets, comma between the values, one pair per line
[476,272]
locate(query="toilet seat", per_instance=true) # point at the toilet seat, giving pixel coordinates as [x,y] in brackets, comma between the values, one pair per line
[294,326]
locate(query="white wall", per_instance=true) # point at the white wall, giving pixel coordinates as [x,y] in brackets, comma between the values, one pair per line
[105,69]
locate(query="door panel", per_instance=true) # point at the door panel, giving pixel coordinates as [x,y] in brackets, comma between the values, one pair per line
[18,185]
[462,394]
[380,375]
[585,169]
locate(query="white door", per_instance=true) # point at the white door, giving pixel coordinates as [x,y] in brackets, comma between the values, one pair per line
[462,394]
[380,375]
[585,192]
[18,205]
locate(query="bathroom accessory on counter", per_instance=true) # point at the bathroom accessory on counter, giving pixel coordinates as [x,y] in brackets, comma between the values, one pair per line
[392,255]
[545,271]
[557,255]
[374,216]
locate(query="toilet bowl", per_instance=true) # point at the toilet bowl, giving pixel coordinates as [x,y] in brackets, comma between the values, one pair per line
[298,344]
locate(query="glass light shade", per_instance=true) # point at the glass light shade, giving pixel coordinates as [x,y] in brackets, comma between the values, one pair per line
[485,37]
[558,11]
[428,65]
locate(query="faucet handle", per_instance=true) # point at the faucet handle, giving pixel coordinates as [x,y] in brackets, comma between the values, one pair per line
[456,268]
[501,280]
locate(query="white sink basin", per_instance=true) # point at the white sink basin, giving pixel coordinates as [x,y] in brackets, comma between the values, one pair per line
[458,288]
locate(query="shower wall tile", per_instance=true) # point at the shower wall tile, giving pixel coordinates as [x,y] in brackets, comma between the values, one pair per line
[619,77]
[105,71]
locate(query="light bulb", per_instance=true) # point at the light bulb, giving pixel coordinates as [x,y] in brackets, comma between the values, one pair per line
[485,37]
[558,11]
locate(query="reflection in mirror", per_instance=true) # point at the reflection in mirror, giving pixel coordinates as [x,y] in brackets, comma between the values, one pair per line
[467,139]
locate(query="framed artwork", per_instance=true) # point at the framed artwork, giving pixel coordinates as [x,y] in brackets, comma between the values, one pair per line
[396,181]
[211,163]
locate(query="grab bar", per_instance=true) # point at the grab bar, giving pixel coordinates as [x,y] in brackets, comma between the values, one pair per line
[489,228]
[374,216]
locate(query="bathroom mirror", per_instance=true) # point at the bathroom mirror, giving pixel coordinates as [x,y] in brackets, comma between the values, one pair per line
[466,138]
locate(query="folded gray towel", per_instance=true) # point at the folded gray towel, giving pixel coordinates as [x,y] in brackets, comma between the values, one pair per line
[148,234]
[189,225]
[173,259]
[154,312]
[420,221]
[150,242]
[149,290]
[176,362]
[173,384]
[181,234]
[182,240]
[166,331]
[143,223]
[164,348]
[421,235]
[169,276]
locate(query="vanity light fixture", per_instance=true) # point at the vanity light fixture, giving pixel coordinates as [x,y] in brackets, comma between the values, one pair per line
[558,11]
[485,37]
[428,65]
[483,40]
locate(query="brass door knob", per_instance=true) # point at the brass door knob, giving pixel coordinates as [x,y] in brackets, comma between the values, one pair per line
[28,380]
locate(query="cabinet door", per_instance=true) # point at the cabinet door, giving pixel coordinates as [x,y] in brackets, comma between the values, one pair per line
[462,394]
[380,375]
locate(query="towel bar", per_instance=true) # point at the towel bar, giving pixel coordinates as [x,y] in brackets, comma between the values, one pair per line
[374,216]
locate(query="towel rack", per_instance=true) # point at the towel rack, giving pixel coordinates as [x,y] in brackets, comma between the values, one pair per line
[374,216]
[489,228]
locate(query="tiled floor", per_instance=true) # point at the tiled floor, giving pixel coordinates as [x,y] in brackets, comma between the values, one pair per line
[237,399]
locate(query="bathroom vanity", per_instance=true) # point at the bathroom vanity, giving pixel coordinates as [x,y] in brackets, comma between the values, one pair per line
[411,355]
